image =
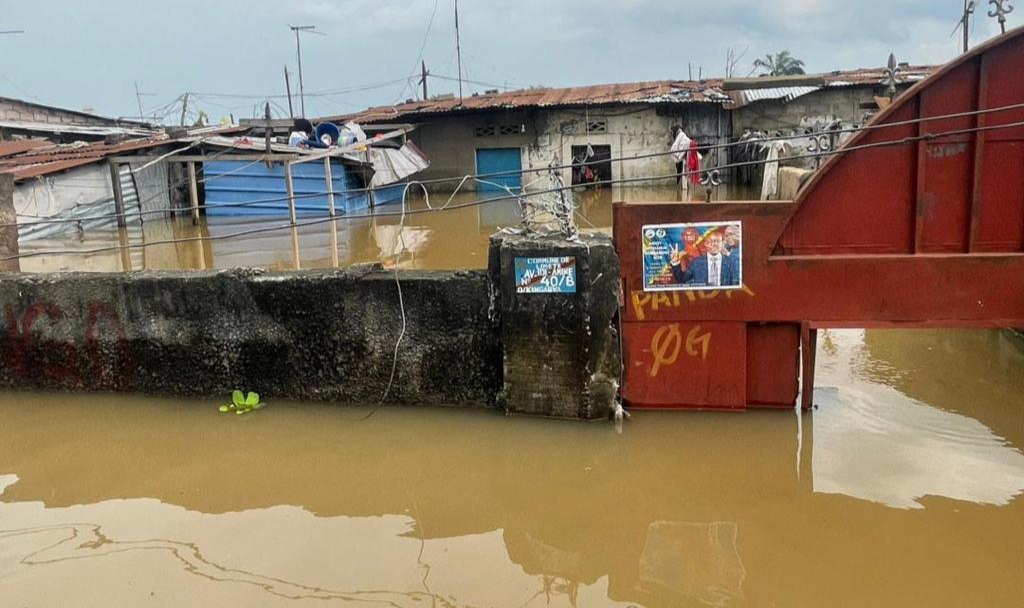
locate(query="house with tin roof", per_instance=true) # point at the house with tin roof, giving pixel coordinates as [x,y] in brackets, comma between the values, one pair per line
[531,129]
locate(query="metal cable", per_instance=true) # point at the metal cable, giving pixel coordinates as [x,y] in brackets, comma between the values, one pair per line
[521,172]
[405,212]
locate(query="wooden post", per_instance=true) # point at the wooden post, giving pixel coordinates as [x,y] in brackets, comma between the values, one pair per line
[115,184]
[288,87]
[123,240]
[330,185]
[292,218]
[290,189]
[267,133]
[9,230]
[193,193]
[329,177]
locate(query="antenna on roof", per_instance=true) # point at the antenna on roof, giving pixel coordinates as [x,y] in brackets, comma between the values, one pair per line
[458,48]
[309,29]
[965,22]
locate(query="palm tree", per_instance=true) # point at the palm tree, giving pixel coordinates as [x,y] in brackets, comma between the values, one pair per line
[780,64]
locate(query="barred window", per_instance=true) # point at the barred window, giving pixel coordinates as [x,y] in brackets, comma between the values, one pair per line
[484,131]
[597,126]
[510,130]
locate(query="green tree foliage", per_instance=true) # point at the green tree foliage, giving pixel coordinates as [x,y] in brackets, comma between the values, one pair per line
[780,64]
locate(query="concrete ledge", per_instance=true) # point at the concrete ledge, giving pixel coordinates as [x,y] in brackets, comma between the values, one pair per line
[317,335]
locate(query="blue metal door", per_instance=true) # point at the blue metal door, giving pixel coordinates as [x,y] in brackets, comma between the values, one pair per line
[500,160]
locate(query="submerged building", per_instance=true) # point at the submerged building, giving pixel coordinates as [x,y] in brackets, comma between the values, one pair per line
[533,129]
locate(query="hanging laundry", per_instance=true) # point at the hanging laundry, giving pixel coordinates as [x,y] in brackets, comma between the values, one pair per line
[693,163]
[770,185]
[680,150]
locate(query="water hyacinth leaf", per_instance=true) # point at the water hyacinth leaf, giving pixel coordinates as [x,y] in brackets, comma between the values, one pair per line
[225,408]
[252,399]
[238,398]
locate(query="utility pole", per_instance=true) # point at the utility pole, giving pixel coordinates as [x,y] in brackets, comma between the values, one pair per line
[288,87]
[298,52]
[423,81]
[138,98]
[184,108]
[965,21]
[458,48]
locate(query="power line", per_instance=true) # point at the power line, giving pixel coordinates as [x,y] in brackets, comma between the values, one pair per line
[619,159]
[301,224]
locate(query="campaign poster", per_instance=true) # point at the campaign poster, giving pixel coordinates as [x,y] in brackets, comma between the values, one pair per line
[693,257]
[546,275]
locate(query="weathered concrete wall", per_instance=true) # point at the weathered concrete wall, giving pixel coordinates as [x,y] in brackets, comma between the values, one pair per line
[304,335]
[561,350]
[826,104]
[13,109]
[547,136]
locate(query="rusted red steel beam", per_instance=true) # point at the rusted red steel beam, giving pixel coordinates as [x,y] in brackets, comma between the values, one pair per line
[731,350]
[958,290]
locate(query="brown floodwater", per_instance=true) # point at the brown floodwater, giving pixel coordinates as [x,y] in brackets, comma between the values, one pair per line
[903,489]
[454,238]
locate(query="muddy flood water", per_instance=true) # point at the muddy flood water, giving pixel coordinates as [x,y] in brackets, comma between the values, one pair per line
[902,489]
[455,238]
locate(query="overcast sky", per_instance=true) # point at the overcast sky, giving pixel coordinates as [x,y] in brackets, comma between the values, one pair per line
[89,53]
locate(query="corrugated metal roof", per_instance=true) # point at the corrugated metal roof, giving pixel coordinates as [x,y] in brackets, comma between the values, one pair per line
[864,76]
[784,94]
[652,92]
[55,158]
[12,148]
[655,92]
[96,131]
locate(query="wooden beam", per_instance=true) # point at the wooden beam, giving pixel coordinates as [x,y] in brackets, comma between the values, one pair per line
[193,193]
[115,184]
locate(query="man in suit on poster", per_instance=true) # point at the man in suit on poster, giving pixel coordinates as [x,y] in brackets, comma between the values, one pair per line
[712,270]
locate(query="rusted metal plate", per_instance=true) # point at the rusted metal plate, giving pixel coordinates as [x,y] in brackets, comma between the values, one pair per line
[685,365]
[773,364]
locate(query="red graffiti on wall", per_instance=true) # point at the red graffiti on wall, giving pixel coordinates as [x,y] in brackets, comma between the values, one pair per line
[30,354]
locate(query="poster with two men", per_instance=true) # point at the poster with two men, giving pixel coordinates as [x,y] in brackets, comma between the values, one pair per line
[693,257]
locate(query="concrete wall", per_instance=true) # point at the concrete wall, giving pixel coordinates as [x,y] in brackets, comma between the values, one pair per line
[468,337]
[13,109]
[304,335]
[824,105]
[548,136]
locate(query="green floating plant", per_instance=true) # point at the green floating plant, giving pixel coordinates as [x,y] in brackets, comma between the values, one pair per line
[243,404]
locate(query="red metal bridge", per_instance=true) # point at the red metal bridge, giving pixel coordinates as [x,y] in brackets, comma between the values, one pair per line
[918,223]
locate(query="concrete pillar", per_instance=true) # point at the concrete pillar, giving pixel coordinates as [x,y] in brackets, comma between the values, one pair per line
[8,233]
[556,302]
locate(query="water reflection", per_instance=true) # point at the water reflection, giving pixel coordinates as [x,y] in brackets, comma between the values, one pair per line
[896,500]
[886,445]
[456,238]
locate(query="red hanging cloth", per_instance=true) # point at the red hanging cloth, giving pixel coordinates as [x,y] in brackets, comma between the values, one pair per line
[693,163]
